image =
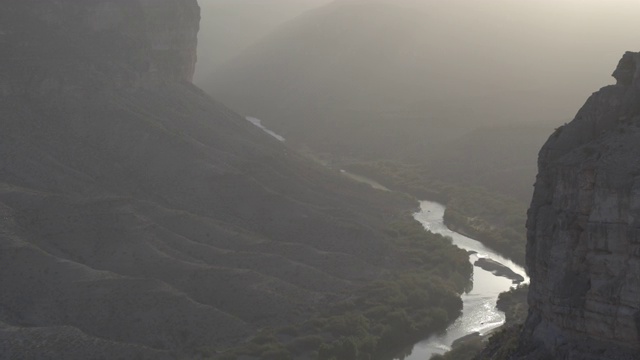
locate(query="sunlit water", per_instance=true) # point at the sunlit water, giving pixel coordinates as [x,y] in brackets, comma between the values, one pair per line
[479,312]
[258,123]
[362,179]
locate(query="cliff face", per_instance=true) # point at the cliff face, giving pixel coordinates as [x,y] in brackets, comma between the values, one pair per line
[51,46]
[583,250]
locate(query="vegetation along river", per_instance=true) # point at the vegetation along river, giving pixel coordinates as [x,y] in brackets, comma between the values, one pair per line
[479,313]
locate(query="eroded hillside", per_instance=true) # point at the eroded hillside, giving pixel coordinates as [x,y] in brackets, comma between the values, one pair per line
[140,218]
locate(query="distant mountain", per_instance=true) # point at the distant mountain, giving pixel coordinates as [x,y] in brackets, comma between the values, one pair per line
[323,67]
[374,78]
[231,26]
[141,219]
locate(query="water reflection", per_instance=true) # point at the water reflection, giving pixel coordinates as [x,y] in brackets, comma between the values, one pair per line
[479,314]
[258,123]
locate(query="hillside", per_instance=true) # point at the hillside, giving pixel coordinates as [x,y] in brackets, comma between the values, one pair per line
[142,219]
[501,159]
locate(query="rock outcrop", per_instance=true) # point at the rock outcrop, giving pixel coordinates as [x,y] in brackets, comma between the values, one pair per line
[583,251]
[499,269]
[49,46]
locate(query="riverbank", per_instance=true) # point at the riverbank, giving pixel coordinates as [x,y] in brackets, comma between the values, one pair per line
[395,311]
[496,220]
[418,298]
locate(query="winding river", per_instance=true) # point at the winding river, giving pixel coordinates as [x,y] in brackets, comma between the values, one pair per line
[479,314]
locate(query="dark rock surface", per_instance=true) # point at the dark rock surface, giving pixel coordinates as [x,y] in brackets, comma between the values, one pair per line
[72,46]
[583,251]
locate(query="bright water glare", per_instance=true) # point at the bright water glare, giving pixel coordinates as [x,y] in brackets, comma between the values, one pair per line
[479,313]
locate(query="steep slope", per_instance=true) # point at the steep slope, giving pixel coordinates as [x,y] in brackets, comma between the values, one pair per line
[583,253]
[141,219]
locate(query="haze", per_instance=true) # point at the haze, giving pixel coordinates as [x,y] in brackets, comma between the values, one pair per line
[346,180]
[230,26]
[542,57]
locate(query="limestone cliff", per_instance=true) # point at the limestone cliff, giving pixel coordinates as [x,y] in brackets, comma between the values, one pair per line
[49,46]
[583,251]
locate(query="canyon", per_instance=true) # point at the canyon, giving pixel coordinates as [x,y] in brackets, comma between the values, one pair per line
[142,219]
[139,218]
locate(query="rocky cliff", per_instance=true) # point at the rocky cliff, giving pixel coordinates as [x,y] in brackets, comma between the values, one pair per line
[583,251]
[50,46]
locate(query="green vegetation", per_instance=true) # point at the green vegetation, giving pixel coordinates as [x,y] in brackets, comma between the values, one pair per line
[384,316]
[514,304]
[502,344]
[496,220]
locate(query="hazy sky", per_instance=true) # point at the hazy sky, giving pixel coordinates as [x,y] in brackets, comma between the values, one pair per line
[600,28]
[557,50]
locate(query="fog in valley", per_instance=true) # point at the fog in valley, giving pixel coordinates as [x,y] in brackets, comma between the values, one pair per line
[475,62]
[472,88]
[230,26]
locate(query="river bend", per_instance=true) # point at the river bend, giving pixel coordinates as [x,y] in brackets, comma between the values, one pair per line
[479,312]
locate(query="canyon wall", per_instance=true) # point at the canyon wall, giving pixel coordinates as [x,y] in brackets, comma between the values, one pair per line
[69,44]
[583,251]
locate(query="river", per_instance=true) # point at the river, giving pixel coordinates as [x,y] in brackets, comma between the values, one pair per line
[374,184]
[479,312]
[257,122]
